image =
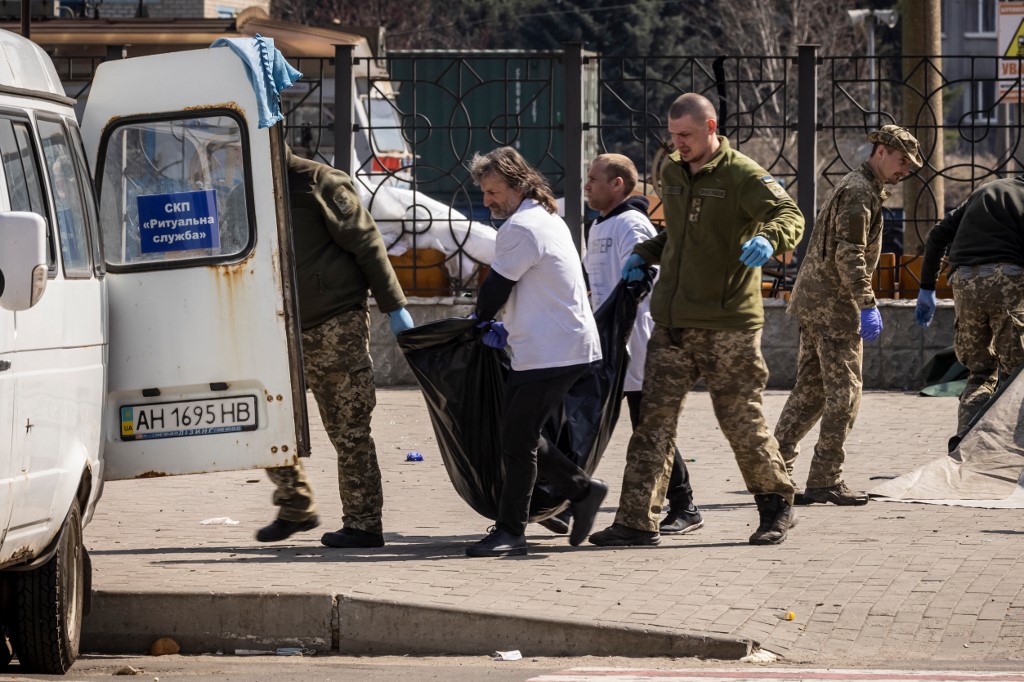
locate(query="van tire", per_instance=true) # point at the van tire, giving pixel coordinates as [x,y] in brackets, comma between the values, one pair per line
[49,602]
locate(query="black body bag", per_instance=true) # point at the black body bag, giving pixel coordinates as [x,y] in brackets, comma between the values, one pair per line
[463,383]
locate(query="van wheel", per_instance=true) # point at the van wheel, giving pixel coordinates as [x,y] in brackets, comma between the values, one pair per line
[49,601]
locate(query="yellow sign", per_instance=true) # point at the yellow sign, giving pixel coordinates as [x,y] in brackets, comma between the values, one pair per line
[1016,42]
[1010,48]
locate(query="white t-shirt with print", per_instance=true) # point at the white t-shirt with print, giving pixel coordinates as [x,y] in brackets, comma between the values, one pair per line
[609,244]
[547,316]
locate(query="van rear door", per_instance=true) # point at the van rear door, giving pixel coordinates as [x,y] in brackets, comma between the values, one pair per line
[205,359]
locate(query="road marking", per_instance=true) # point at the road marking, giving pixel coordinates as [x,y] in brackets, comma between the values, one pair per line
[640,675]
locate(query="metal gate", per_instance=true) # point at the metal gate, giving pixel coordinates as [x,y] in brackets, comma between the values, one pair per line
[803,117]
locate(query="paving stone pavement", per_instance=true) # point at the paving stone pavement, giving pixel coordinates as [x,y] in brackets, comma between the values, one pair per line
[882,582]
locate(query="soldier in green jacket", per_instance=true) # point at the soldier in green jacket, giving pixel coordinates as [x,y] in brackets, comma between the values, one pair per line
[339,255]
[725,217]
[835,304]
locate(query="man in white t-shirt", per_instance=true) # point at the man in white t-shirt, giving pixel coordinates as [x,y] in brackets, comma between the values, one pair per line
[622,225]
[537,280]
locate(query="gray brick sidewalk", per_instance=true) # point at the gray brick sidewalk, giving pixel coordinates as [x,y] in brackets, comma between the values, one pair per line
[883,582]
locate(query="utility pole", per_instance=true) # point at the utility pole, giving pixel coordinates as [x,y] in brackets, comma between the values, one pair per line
[923,193]
[26,18]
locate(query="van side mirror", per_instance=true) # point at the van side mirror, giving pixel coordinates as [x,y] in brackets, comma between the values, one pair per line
[23,264]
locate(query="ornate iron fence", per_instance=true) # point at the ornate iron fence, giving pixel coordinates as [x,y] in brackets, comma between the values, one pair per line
[420,115]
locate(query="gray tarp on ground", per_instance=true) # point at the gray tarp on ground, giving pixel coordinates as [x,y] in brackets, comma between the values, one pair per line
[986,468]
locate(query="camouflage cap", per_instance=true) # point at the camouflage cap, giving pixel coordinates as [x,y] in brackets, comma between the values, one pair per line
[900,138]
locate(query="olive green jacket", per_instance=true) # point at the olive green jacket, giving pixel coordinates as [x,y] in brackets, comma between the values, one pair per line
[834,282]
[339,252]
[708,217]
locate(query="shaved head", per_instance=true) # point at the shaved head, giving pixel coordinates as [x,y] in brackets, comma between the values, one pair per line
[696,106]
[693,124]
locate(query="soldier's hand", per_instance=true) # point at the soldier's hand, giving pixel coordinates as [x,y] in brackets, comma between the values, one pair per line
[756,252]
[400,320]
[925,309]
[870,324]
[633,269]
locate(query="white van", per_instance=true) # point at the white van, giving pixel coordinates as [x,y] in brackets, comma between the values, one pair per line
[150,331]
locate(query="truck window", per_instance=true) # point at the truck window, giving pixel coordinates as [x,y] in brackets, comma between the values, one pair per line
[173,192]
[85,181]
[385,125]
[22,176]
[72,225]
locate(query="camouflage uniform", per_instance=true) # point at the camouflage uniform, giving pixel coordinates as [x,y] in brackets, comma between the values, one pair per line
[984,237]
[833,286]
[989,334]
[734,370]
[708,313]
[339,256]
[339,371]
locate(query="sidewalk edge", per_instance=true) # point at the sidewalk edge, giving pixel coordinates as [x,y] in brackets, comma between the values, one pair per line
[129,621]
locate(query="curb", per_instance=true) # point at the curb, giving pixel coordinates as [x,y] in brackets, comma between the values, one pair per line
[129,622]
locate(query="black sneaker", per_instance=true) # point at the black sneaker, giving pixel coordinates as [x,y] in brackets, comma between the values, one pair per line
[498,543]
[776,518]
[837,494]
[617,535]
[557,524]
[684,522]
[585,511]
[349,538]
[282,530]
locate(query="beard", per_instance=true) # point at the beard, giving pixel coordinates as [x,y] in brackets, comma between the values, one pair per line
[503,212]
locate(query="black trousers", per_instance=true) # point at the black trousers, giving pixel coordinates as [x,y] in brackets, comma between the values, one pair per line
[531,398]
[680,494]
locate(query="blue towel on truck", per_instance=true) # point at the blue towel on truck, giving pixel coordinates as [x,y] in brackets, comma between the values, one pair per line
[268,71]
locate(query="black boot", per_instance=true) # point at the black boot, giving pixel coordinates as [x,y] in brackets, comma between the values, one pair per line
[352,538]
[776,519]
[585,511]
[681,518]
[282,530]
[499,542]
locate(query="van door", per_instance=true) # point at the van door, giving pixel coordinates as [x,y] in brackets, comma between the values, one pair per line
[38,375]
[205,359]
[6,417]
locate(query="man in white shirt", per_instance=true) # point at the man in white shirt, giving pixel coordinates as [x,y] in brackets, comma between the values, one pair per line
[622,225]
[537,280]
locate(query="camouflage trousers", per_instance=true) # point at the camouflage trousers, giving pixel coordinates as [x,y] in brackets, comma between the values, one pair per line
[828,387]
[735,373]
[338,369]
[989,333]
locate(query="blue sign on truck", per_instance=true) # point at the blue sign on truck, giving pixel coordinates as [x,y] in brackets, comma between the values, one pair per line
[179,221]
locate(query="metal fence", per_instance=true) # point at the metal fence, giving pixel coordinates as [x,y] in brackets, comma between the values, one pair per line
[803,117]
[421,115]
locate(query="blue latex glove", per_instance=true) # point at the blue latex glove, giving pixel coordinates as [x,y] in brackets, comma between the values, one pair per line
[925,310]
[870,324]
[756,252]
[633,268]
[496,335]
[400,321]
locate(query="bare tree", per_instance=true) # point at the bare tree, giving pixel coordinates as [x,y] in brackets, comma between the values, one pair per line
[768,32]
[421,24]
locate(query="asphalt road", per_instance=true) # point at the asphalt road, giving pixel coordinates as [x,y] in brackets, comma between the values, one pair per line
[471,668]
